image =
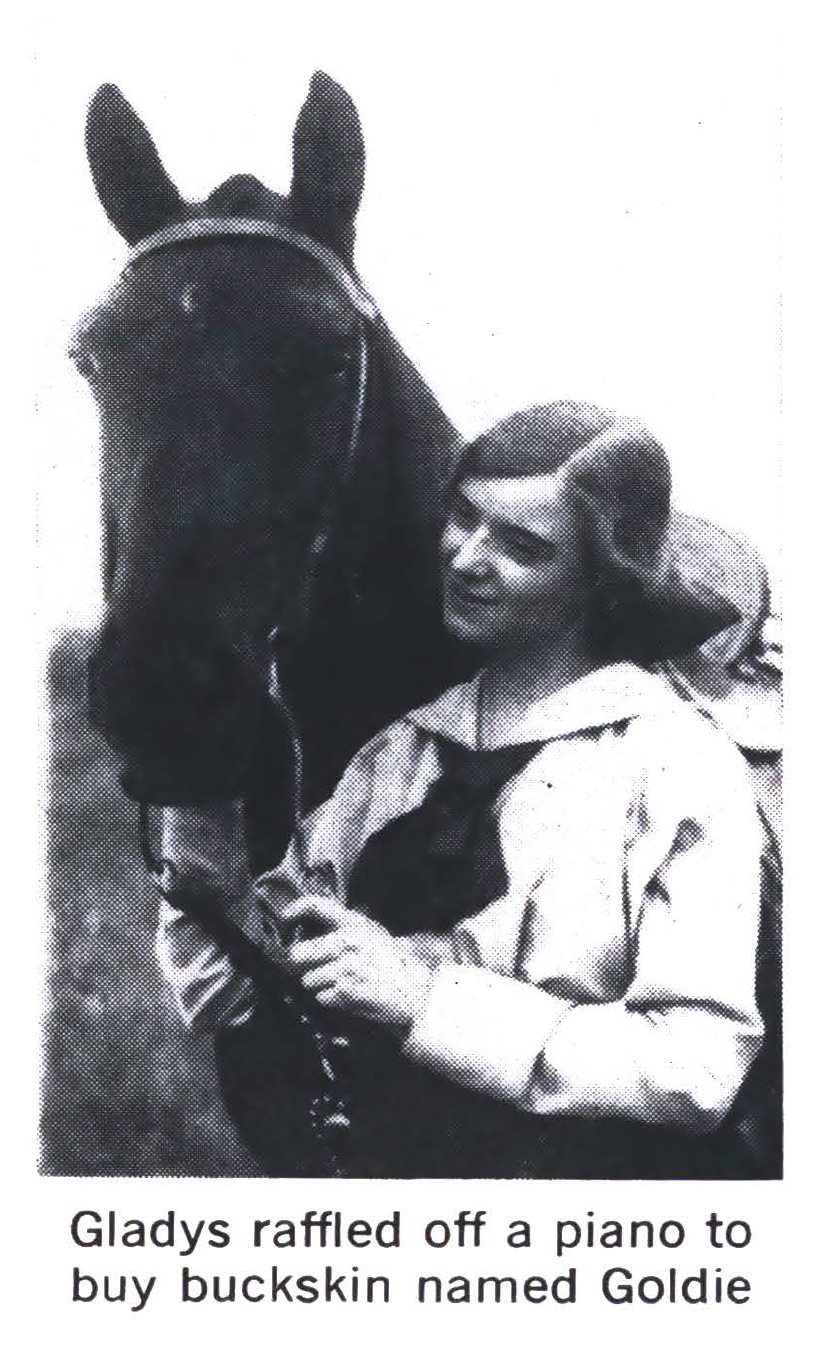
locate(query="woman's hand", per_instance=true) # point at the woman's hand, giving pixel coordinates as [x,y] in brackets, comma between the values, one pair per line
[352,964]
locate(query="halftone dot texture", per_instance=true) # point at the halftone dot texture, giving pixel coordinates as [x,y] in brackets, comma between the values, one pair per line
[659,573]
[126,1090]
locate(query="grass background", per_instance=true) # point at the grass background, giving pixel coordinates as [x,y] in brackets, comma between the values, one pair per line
[126,1090]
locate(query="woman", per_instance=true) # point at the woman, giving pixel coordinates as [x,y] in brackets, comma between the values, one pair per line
[552,871]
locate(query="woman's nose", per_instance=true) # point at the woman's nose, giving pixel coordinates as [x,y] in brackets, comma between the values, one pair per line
[471,555]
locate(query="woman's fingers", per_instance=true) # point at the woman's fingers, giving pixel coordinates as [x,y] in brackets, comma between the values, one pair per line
[314,908]
[332,998]
[330,976]
[318,950]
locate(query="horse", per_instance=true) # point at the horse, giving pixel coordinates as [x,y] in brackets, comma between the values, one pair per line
[231,363]
[272,472]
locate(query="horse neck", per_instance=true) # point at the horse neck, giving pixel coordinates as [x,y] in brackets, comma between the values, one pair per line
[422,444]
[378,633]
[375,645]
[410,453]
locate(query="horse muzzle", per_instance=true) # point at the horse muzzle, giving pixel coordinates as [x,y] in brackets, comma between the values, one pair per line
[183,719]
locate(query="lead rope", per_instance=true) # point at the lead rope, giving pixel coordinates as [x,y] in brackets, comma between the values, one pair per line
[331,1110]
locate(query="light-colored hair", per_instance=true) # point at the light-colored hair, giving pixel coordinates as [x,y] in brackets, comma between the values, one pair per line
[619,477]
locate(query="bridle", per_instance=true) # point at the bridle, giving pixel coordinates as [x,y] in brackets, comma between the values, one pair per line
[329,1112]
[244,228]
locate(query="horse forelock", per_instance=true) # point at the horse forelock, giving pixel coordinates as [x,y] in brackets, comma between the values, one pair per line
[243,195]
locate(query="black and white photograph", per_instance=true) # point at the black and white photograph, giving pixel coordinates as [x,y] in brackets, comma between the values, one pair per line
[411,550]
[423,414]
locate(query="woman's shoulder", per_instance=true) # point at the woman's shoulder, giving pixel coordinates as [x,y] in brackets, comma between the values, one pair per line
[398,748]
[390,741]
[682,752]
[391,753]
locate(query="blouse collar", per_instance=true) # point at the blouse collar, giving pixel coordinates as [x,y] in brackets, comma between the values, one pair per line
[603,697]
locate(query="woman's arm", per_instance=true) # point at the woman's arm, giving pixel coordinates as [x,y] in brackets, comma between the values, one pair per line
[207,990]
[675,1048]
[207,848]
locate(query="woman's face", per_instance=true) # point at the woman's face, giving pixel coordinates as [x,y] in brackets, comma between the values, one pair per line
[513,562]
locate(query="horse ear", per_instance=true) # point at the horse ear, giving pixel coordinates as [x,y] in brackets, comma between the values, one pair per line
[135,190]
[329,164]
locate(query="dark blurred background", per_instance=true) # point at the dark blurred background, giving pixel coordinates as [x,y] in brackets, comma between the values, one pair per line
[125,1089]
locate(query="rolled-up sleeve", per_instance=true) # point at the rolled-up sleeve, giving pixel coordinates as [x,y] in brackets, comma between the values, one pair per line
[207,848]
[207,990]
[675,1046]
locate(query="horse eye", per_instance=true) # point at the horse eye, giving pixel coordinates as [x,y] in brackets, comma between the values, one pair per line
[335,366]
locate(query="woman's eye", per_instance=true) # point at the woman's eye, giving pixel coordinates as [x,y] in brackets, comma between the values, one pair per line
[531,552]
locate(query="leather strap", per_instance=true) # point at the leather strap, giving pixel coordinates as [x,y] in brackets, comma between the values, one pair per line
[218,228]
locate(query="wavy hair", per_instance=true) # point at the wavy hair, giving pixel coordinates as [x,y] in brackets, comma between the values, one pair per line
[619,477]
[653,595]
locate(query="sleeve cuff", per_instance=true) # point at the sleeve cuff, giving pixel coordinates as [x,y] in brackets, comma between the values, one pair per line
[483,1030]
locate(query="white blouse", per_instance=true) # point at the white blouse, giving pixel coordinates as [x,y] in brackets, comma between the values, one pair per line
[616,974]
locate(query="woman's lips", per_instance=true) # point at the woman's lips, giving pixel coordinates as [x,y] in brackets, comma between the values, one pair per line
[467,597]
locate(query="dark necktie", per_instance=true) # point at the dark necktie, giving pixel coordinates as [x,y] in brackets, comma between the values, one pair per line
[442,861]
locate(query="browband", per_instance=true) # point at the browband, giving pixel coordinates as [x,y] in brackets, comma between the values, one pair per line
[217,228]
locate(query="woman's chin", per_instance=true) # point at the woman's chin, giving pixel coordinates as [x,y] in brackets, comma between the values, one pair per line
[465,627]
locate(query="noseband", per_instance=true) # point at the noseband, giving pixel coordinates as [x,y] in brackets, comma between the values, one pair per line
[244,228]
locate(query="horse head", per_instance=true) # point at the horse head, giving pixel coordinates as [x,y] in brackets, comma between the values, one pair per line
[263,440]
